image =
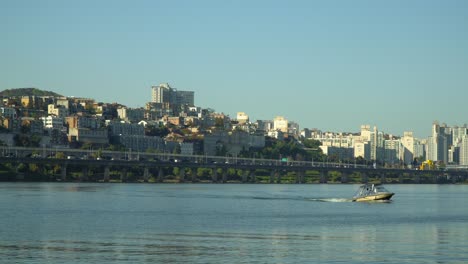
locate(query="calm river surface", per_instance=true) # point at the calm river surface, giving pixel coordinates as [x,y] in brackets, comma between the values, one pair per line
[215,223]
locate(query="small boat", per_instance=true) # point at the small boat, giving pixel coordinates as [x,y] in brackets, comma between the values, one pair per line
[372,192]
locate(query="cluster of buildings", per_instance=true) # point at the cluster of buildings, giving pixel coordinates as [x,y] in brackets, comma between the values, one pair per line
[446,145]
[74,122]
[79,122]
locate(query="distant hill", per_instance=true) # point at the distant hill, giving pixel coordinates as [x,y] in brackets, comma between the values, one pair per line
[27,92]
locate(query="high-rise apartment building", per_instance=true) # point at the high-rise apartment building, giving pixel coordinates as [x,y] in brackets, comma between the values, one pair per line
[242,117]
[392,151]
[372,142]
[437,148]
[377,145]
[161,93]
[165,94]
[280,123]
[420,149]
[458,133]
[407,142]
[464,151]
[365,133]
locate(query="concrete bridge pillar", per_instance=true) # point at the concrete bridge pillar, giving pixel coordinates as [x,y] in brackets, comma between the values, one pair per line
[279,176]
[364,177]
[416,177]
[194,174]
[452,178]
[106,174]
[146,174]
[214,175]
[400,177]
[300,176]
[160,175]
[383,177]
[245,175]
[225,175]
[85,173]
[63,172]
[19,175]
[344,177]
[182,175]
[252,176]
[272,176]
[323,176]
[123,175]
[435,178]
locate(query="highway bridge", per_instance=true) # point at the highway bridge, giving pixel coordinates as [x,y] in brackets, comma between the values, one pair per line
[159,167]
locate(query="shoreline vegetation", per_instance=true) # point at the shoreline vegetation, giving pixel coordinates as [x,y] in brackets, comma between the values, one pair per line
[173,175]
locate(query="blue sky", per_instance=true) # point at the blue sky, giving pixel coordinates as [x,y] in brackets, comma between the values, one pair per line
[332,65]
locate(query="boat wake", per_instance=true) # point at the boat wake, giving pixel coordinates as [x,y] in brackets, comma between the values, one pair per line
[331,200]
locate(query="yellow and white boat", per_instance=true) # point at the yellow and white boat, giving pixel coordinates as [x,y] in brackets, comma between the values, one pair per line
[372,192]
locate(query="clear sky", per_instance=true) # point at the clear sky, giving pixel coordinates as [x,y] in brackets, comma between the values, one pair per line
[332,65]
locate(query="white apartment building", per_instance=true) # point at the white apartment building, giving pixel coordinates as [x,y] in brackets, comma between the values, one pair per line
[437,147]
[131,114]
[420,149]
[280,123]
[164,93]
[407,142]
[362,149]
[59,111]
[464,151]
[336,140]
[242,118]
[52,122]
[458,133]
[160,93]
[392,151]
[365,133]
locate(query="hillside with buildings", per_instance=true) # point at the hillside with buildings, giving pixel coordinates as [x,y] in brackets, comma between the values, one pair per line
[171,123]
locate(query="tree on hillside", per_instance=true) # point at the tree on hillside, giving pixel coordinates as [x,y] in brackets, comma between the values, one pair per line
[160,131]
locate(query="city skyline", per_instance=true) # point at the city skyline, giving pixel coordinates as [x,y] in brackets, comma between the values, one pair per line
[331,66]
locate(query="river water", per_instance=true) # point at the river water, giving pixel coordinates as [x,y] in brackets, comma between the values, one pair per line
[231,223]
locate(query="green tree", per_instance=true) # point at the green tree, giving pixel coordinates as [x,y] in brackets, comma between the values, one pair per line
[60,155]
[312,143]
[160,131]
